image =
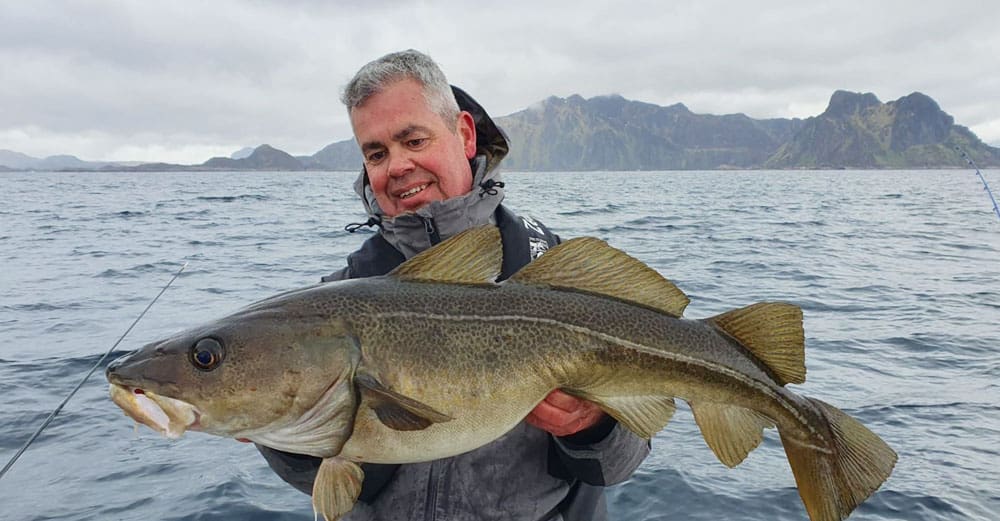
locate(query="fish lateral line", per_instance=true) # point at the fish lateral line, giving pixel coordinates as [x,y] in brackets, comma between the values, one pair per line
[680,358]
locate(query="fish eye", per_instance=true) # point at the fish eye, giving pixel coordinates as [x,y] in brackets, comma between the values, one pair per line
[206,354]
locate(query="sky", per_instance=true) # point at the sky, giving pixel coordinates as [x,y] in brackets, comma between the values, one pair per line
[183,81]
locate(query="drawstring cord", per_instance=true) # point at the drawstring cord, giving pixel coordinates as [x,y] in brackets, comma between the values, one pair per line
[372,221]
[489,186]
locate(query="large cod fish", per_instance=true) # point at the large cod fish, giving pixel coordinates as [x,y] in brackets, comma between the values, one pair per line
[436,359]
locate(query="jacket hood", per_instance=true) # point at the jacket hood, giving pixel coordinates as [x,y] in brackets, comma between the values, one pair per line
[407,232]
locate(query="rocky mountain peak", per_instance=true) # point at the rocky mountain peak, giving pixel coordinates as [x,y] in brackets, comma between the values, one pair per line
[844,103]
[919,121]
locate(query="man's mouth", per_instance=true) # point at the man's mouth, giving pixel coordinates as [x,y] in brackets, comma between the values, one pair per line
[413,191]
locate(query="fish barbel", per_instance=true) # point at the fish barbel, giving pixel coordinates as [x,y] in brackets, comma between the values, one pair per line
[436,359]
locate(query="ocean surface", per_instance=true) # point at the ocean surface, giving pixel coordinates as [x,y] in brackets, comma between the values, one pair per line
[898,274]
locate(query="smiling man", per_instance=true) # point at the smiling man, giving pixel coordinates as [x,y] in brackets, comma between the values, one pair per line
[430,171]
[413,155]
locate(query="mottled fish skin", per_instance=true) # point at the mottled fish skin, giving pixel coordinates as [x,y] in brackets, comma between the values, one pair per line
[488,355]
[435,360]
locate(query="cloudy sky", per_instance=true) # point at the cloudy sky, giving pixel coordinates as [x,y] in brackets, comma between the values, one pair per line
[182,81]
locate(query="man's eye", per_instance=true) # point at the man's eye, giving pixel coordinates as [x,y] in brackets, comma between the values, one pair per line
[375,157]
[416,143]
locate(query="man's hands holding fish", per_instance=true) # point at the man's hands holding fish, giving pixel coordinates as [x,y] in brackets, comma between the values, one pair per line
[561,414]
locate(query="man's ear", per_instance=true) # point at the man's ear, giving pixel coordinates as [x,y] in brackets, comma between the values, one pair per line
[467,131]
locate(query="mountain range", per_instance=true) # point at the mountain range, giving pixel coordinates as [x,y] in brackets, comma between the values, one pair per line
[613,133]
[17,161]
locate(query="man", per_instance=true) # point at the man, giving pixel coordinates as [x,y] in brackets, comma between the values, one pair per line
[430,171]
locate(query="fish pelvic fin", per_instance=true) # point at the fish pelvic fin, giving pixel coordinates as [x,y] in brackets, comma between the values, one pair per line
[773,332]
[590,265]
[336,488]
[396,411]
[474,256]
[730,431]
[832,481]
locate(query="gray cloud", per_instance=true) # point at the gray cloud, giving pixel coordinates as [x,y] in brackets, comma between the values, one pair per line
[183,80]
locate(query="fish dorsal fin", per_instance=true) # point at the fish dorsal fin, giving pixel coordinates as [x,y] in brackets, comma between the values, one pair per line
[730,431]
[591,265]
[396,411]
[474,256]
[772,331]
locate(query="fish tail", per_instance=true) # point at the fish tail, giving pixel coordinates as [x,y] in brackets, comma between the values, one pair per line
[835,479]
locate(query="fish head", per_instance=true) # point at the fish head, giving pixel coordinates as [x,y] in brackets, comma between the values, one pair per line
[247,375]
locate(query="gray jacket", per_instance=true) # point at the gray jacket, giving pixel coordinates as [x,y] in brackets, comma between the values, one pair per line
[526,475]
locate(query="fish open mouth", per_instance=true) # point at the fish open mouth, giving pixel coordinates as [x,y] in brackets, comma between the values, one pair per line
[168,416]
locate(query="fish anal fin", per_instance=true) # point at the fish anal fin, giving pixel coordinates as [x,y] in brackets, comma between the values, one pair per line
[396,411]
[834,481]
[336,488]
[773,332]
[591,265]
[474,256]
[643,415]
[730,431]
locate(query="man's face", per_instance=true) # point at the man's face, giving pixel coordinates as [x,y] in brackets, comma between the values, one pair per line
[412,156]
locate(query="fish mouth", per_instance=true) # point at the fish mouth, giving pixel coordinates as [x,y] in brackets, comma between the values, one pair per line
[168,416]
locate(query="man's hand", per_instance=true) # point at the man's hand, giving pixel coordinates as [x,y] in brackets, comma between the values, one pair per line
[561,414]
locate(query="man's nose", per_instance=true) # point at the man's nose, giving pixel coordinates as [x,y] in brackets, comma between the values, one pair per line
[400,163]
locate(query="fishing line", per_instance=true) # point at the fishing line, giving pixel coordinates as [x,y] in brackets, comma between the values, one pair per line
[996,209]
[85,378]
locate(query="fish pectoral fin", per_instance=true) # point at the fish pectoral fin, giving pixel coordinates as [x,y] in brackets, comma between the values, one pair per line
[590,265]
[396,411]
[730,431]
[773,332]
[643,415]
[336,488]
[474,256]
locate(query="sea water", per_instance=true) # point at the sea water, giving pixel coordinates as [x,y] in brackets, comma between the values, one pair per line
[898,274]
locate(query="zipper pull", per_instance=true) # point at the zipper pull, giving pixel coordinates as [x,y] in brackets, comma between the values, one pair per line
[432,231]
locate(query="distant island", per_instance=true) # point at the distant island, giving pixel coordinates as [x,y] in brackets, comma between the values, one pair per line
[856,131]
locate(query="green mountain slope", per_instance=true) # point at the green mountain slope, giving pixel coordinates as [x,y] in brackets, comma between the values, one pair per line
[859,131]
[613,133]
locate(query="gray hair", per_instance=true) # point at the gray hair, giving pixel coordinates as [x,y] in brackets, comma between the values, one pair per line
[393,67]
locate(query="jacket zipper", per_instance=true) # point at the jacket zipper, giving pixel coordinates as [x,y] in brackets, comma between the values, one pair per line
[430,506]
[432,232]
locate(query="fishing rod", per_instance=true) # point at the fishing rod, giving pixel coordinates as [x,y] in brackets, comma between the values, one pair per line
[996,209]
[85,378]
